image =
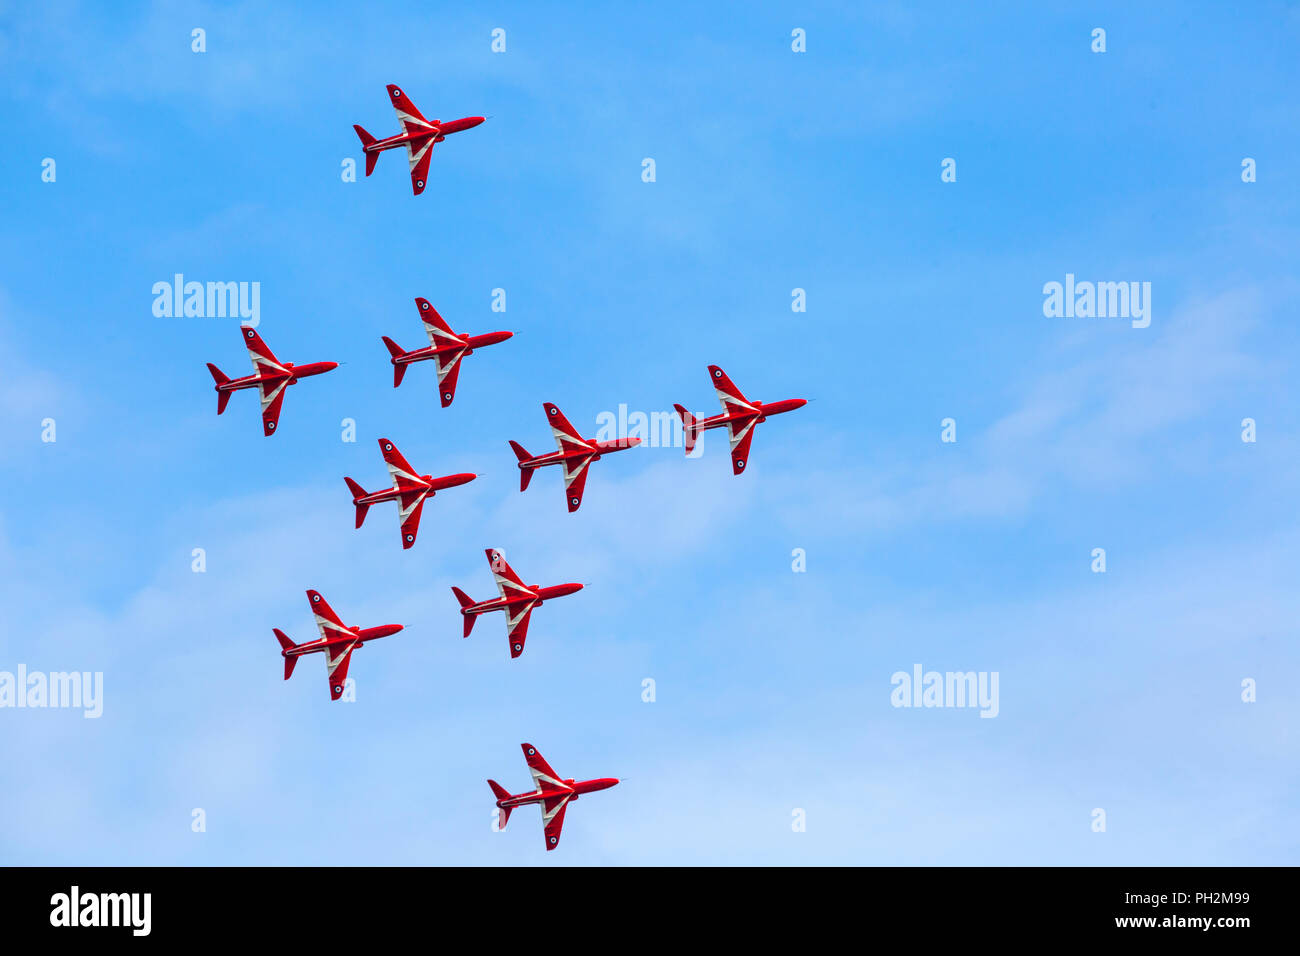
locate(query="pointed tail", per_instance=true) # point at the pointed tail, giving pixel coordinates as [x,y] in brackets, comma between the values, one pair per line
[465,601]
[221,378]
[366,141]
[286,644]
[690,430]
[396,352]
[358,492]
[525,474]
[501,793]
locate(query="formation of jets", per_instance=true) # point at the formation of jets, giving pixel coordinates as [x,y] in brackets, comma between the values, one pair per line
[418,136]
[574,455]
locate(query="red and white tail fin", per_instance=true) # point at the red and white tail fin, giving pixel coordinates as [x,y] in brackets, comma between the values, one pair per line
[525,474]
[501,793]
[221,378]
[465,601]
[396,352]
[367,140]
[690,431]
[358,492]
[286,644]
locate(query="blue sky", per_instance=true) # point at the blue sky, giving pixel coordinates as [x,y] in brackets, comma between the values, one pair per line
[775,170]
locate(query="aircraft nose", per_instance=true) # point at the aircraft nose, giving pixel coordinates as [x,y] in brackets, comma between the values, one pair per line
[476,120]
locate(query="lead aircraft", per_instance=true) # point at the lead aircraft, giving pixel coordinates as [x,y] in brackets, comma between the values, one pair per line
[418,136]
[337,642]
[739,416]
[550,792]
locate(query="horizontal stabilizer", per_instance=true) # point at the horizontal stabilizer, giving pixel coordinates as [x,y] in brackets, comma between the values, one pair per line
[358,492]
[465,601]
[525,474]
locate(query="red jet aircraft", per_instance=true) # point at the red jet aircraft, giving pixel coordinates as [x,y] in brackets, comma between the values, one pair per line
[270,377]
[575,454]
[337,641]
[551,793]
[517,600]
[409,491]
[445,346]
[739,415]
[418,136]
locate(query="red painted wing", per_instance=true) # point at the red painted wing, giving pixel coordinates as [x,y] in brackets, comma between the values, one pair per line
[553,818]
[731,397]
[272,394]
[411,517]
[517,626]
[447,376]
[540,769]
[257,351]
[337,670]
[404,476]
[328,622]
[566,436]
[575,481]
[419,153]
[412,119]
[740,447]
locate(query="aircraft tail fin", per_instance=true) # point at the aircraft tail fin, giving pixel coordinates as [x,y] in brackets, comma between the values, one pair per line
[286,644]
[358,492]
[366,141]
[525,474]
[465,601]
[221,378]
[396,352]
[501,793]
[690,431]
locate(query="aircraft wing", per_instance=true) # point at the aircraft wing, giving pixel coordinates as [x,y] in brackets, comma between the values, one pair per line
[412,119]
[575,480]
[264,360]
[328,622]
[732,399]
[517,616]
[508,583]
[566,436]
[404,476]
[448,373]
[409,506]
[419,153]
[741,434]
[272,395]
[336,666]
[553,818]
[543,776]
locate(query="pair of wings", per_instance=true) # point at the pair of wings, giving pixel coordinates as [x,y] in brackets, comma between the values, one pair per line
[273,378]
[544,778]
[519,598]
[449,349]
[741,414]
[412,490]
[418,151]
[578,455]
[331,628]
